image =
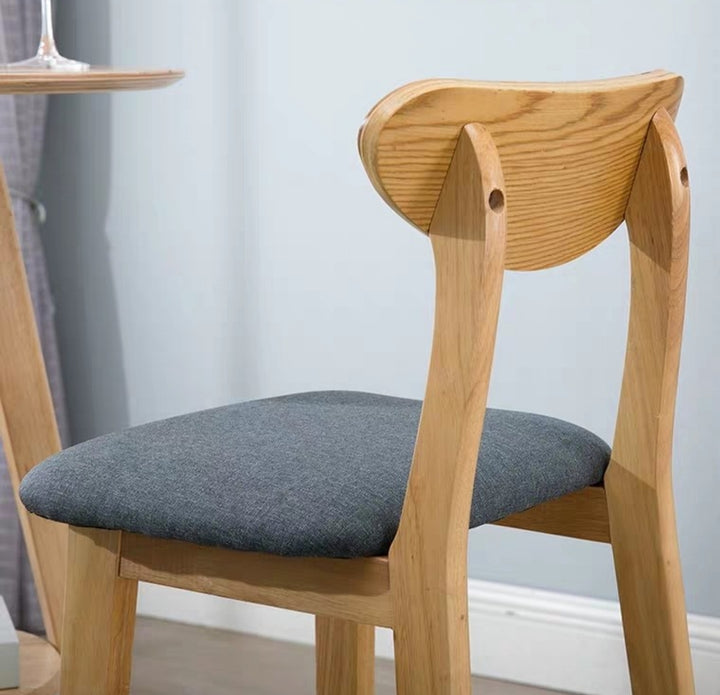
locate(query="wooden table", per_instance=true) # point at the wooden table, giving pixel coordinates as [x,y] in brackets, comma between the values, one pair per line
[27,420]
[39,667]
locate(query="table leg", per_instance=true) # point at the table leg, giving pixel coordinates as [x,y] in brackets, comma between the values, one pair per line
[28,428]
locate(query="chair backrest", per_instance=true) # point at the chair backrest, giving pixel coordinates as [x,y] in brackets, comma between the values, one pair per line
[529,176]
[569,153]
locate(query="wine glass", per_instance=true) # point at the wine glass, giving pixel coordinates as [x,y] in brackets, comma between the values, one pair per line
[48,56]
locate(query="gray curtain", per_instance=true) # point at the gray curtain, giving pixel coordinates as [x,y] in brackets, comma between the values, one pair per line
[22,125]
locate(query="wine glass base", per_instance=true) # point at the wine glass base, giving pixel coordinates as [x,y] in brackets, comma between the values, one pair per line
[45,63]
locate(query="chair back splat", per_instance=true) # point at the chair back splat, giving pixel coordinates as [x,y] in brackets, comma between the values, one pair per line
[524,177]
[569,152]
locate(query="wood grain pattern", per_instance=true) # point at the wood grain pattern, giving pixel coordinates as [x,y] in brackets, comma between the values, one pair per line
[39,667]
[582,514]
[345,657]
[357,589]
[96,79]
[569,152]
[100,617]
[27,417]
[428,558]
[638,481]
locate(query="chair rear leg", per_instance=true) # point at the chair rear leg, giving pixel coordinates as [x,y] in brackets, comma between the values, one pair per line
[99,620]
[647,566]
[345,656]
[432,644]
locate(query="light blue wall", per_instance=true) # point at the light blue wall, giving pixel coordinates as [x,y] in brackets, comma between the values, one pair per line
[219,241]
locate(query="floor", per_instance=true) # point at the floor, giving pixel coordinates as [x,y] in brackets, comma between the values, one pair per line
[174,659]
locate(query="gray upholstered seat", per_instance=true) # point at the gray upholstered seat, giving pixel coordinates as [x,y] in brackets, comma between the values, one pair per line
[320,474]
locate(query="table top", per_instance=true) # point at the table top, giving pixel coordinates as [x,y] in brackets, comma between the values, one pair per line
[97,79]
[39,667]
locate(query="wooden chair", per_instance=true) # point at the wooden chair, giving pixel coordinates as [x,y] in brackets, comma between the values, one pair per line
[499,175]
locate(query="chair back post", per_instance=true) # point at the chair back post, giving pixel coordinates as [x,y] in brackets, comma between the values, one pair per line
[638,481]
[658,222]
[428,558]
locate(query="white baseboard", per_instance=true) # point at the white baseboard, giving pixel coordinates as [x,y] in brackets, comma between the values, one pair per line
[556,641]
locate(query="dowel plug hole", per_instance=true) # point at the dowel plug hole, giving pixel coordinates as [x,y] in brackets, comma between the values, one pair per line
[684,178]
[496,200]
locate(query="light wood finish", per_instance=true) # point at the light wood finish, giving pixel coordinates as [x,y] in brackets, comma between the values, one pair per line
[357,589]
[428,559]
[100,617]
[39,667]
[638,482]
[27,417]
[345,655]
[578,158]
[569,153]
[96,79]
[582,514]
[175,659]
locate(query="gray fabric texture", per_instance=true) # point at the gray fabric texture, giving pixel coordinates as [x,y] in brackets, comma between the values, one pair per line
[22,125]
[313,474]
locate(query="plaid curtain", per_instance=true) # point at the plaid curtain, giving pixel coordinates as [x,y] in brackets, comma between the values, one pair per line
[22,126]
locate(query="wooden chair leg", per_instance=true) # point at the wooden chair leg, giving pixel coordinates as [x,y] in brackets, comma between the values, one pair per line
[432,646]
[99,618]
[345,653]
[647,565]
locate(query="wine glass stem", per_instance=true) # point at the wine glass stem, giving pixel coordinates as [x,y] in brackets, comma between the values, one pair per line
[47,40]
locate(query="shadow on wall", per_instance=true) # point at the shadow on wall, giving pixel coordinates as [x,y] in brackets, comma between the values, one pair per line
[74,186]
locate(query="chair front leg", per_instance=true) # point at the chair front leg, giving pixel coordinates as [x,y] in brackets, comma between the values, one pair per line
[345,654]
[99,620]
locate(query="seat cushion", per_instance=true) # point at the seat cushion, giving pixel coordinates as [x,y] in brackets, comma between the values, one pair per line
[310,474]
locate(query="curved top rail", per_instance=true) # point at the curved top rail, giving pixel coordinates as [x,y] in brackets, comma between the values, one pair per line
[569,153]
